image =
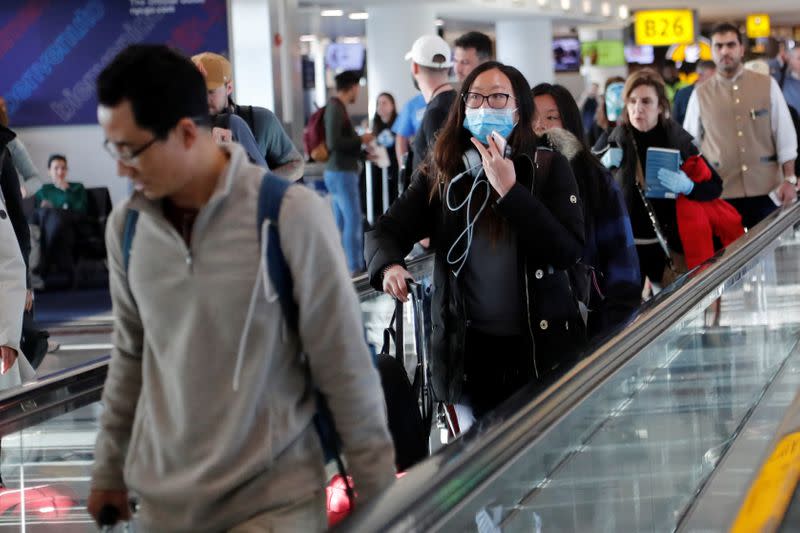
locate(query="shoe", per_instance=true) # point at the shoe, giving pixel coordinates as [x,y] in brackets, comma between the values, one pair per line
[53,346]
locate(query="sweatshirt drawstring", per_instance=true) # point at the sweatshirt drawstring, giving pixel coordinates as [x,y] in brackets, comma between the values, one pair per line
[261,279]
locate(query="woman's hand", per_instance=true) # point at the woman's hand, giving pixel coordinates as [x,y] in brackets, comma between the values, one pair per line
[395,282]
[498,169]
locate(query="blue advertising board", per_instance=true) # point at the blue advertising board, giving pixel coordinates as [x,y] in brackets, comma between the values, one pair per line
[51,51]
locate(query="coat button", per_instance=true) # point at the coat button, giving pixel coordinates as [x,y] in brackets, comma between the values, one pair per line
[543,324]
[744,168]
[539,274]
[573,199]
[735,87]
[2,215]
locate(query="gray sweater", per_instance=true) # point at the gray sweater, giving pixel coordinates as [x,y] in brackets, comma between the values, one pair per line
[201,455]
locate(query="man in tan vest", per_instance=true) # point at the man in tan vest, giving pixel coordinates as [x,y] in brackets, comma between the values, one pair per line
[743,125]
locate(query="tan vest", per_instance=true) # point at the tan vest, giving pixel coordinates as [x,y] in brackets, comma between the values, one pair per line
[737,133]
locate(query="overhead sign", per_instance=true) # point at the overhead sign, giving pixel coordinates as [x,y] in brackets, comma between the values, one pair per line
[664,27]
[758,26]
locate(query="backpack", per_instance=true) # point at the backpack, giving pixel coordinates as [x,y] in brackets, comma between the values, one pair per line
[270,195]
[246,113]
[314,136]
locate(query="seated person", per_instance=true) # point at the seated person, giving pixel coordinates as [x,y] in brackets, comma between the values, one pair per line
[60,209]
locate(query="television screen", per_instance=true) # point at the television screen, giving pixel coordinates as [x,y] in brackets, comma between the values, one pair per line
[344,56]
[642,55]
[604,53]
[566,54]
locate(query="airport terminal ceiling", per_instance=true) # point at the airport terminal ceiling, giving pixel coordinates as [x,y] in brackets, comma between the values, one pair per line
[782,12]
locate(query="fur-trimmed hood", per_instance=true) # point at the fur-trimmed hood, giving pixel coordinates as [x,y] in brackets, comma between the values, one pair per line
[563,142]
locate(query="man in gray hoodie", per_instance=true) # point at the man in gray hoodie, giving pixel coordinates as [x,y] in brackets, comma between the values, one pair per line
[207,405]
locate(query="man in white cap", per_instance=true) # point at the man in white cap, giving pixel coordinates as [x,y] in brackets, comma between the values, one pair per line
[430,65]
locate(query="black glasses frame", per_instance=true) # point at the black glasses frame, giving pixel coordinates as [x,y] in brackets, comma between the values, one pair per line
[486,98]
[127,157]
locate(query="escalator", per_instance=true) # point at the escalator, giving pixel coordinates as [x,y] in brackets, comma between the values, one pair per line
[660,428]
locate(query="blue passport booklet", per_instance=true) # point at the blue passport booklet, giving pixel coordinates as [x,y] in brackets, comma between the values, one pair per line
[658,158]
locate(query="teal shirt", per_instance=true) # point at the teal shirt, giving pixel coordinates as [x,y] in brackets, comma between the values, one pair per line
[73,199]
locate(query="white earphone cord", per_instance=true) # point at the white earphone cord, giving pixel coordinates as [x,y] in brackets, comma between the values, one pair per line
[469,230]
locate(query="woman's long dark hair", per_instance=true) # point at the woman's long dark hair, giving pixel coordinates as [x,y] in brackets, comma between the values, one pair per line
[377,122]
[571,121]
[444,160]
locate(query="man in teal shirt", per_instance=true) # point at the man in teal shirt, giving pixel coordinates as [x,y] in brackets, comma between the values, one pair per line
[60,210]
[61,194]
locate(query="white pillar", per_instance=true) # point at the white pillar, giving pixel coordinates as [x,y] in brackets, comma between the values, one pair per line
[391,30]
[527,44]
[251,52]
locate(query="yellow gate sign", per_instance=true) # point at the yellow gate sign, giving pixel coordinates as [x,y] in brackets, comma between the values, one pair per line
[758,26]
[664,27]
[770,493]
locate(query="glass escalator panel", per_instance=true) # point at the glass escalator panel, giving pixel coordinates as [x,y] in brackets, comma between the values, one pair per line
[635,454]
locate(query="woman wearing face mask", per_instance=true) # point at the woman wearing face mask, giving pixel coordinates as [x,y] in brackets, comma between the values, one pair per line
[646,124]
[609,108]
[613,281]
[503,233]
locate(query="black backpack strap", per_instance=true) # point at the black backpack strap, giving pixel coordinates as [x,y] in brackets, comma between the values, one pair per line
[246,113]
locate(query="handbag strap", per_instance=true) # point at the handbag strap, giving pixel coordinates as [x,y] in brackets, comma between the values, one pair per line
[651,213]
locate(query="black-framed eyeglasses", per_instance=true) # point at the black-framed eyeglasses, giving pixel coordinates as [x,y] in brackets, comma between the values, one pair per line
[496,100]
[126,155]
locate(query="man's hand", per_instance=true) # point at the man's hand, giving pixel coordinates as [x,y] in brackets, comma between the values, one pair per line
[221,135]
[28,300]
[787,194]
[118,499]
[8,356]
[46,203]
[395,282]
[367,138]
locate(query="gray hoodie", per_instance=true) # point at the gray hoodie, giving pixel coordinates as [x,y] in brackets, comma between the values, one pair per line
[200,455]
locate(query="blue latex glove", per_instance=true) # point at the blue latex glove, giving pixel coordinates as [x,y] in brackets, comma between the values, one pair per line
[612,158]
[677,182]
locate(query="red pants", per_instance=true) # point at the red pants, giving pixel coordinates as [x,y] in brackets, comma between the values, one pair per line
[698,222]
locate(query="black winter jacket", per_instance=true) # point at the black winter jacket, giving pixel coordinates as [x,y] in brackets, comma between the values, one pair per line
[625,176]
[546,215]
[9,184]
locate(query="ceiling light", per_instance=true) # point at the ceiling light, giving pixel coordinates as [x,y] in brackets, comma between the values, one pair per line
[358,16]
[308,38]
[331,13]
[350,40]
[605,9]
[439,22]
[624,12]
[587,6]
[566,4]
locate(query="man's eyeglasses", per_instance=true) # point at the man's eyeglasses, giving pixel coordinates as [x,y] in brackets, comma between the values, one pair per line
[125,154]
[496,100]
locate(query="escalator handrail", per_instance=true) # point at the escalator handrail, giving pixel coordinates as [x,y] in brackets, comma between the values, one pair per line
[438,487]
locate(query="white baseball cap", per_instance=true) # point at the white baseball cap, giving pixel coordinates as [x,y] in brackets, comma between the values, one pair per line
[430,51]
